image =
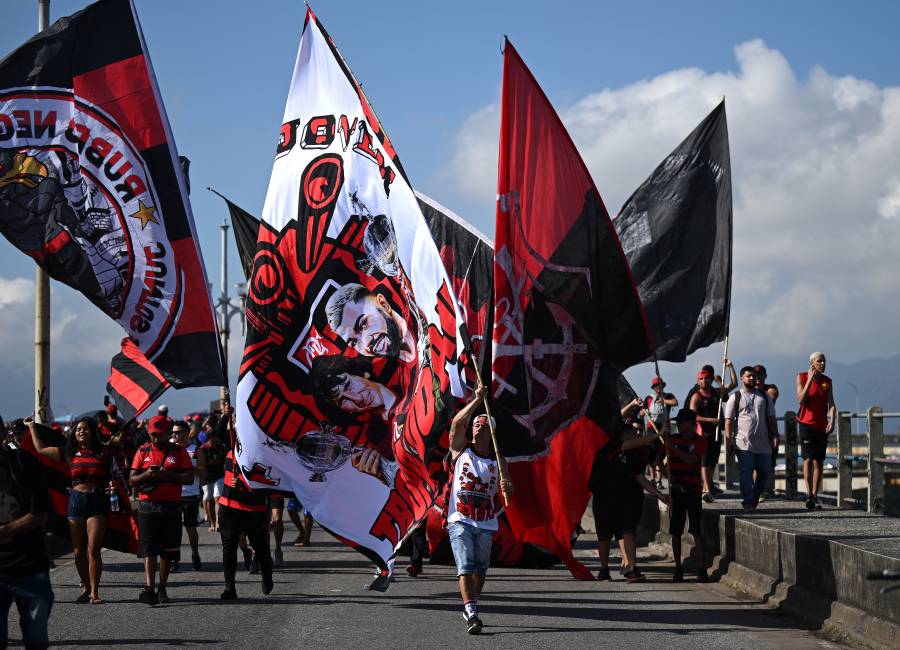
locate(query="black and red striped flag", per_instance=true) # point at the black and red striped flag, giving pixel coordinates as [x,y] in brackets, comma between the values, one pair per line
[92,189]
[134,383]
[566,313]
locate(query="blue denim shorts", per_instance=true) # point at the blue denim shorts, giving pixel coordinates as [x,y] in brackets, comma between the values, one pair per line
[471,548]
[84,505]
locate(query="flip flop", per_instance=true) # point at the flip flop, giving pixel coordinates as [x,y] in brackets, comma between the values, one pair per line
[83,598]
[97,601]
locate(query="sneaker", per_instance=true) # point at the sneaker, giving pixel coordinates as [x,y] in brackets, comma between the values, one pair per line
[474,624]
[603,575]
[196,562]
[148,596]
[818,505]
[248,557]
[229,594]
[708,497]
[762,497]
[254,566]
[267,583]
[413,571]
[747,506]
[278,558]
[162,596]
[811,503]
[702,576]
[678,575]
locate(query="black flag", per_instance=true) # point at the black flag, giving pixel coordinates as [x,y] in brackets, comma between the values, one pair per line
[676,232]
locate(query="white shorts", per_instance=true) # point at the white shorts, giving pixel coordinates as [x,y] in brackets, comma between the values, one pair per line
[213,489]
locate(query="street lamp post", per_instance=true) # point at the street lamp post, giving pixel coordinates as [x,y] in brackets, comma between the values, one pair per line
[227,309]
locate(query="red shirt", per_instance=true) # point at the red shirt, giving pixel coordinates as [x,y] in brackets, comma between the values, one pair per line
[814,411]
[686,476]
[172,457]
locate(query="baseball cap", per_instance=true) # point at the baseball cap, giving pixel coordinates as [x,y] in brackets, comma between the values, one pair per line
[163,409]
[159,424]
[656,382]
[686,415]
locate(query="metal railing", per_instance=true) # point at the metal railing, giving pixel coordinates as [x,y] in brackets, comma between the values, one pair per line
[875,494]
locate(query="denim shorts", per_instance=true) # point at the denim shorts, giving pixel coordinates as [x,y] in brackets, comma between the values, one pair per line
[84,505]
[471,548]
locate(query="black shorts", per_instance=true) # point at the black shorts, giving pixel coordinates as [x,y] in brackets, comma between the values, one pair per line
[159,528]
[685,505]
[233,521]
[190,511]
[713,449]
[84,505]
[617,511]
[276,502]
[813,442]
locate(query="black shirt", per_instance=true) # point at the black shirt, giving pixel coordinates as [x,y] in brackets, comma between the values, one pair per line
[23,490]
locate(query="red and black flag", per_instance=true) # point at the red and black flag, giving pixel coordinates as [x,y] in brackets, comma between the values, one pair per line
[91,186]
[676,231]
[468,257]
[121,527]
[134,383]
[566,312]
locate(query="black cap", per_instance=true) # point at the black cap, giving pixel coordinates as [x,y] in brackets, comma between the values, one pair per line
[686,415]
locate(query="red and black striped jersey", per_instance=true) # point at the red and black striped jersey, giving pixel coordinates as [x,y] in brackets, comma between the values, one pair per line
[237,494]
[88,466]
[686,476]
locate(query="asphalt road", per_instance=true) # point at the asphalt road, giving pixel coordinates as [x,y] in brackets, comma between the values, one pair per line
[319,602]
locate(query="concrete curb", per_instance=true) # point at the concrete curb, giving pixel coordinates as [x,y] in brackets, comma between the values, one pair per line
[815,578]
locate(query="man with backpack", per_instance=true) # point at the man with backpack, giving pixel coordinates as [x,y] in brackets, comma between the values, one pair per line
[749,425]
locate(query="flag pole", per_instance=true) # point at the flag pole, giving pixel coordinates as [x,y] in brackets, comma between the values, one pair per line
[722,389]
[504,475]
[42,304]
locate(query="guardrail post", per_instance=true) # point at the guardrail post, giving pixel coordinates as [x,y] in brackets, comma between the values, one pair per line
[875,426]
[844,462]
[790,454]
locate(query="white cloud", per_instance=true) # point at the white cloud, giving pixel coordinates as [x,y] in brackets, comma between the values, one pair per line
[815,185]
[15,291]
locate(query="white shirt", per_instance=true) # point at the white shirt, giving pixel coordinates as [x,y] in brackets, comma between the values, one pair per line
[474,491]
[192,490]
[752,427]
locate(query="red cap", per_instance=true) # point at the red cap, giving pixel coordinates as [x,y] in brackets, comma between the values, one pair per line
[197,418]
[111,409]
[704,373]
[656,382]
[159,424]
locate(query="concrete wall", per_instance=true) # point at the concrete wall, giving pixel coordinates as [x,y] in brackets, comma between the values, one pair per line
[820,579]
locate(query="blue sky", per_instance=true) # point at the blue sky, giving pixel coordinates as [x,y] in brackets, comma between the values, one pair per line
[432,71]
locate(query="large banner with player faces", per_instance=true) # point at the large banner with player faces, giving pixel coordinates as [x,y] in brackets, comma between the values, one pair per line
[351,370]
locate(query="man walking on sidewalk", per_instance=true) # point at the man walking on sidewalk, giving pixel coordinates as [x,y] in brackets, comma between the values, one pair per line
[749,417]
[471,504]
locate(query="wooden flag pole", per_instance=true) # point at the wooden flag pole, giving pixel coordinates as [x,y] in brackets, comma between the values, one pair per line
[722,389]
[501,462]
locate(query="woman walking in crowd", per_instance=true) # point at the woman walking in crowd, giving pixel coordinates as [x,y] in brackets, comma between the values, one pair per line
[88,462]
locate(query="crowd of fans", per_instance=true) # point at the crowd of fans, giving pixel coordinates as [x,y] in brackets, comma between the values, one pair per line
[181,473]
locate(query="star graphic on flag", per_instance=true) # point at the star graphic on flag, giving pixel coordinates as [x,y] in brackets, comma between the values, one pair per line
[145,213]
